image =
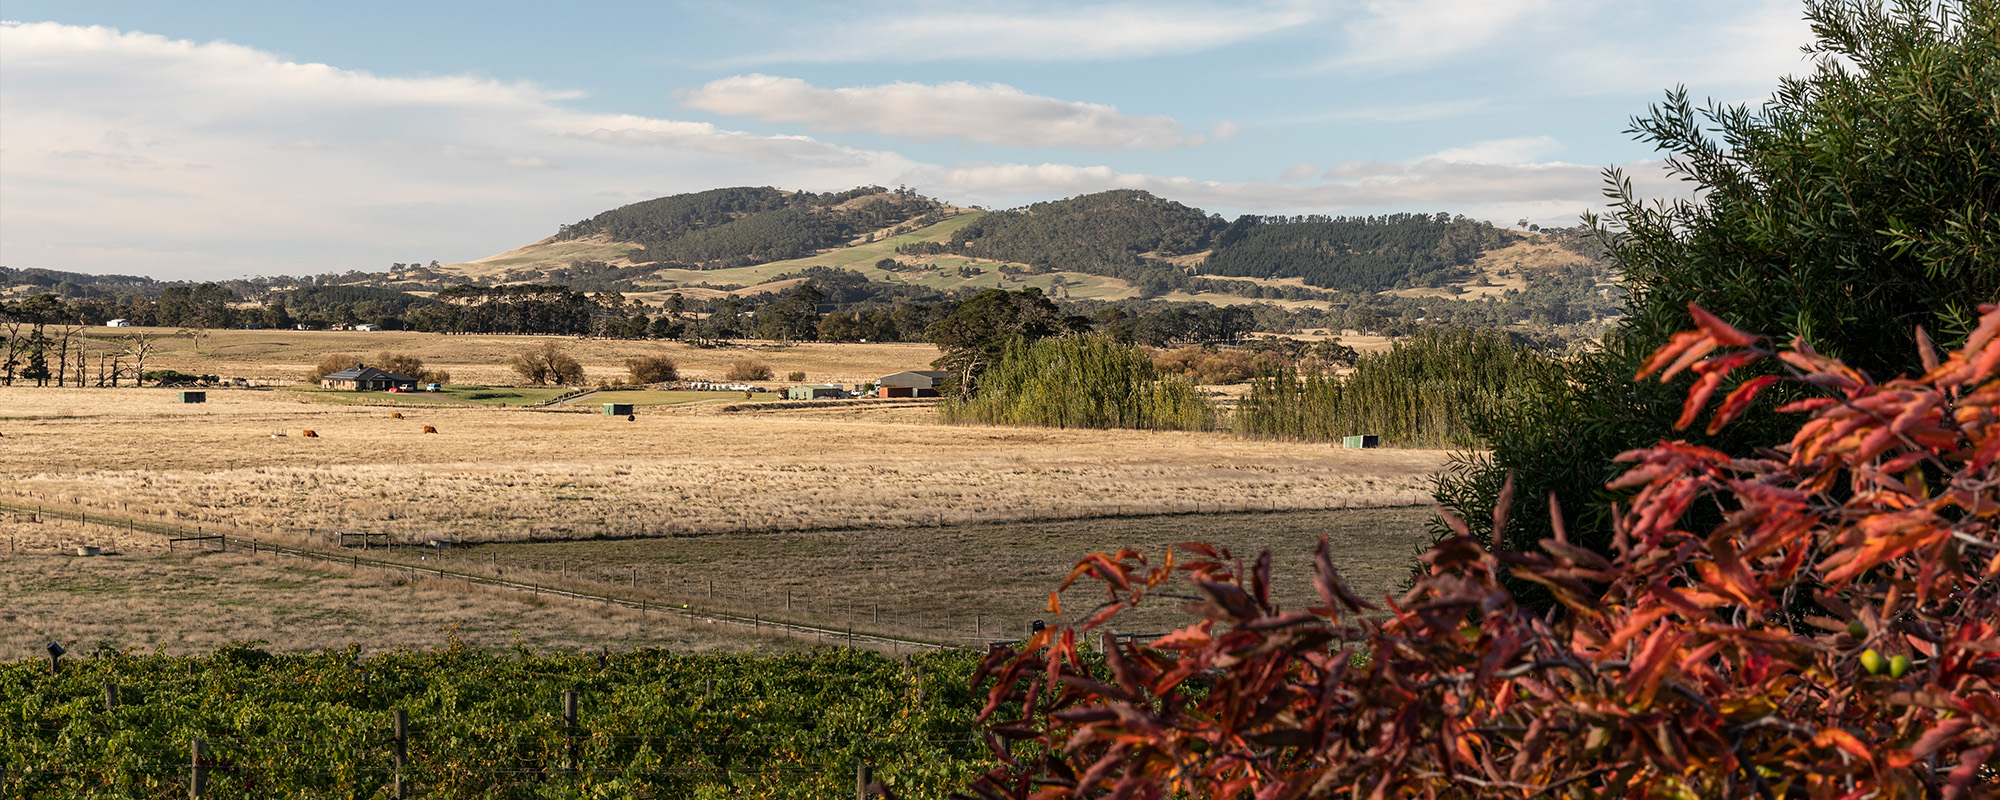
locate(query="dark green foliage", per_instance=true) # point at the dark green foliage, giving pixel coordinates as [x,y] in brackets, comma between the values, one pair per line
[1861,201]
[1424,392]
[1082,381]
[1108,233]
[1363,254]
[521,308]
[977,334]
[367,301]
[487,724]
[742,226]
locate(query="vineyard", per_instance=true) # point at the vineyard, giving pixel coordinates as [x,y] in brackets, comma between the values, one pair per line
[487,724]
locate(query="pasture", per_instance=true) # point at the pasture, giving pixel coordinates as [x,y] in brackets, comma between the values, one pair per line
[505,474]
[138,596]
[872,515]
[285,357]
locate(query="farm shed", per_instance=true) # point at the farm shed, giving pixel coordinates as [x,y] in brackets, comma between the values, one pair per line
[368,379]
[1364,440]
[194,397]
[921,383]
[618,409]
[118,323]
[814,393]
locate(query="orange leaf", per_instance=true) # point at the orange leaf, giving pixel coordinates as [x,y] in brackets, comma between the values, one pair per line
[1716,329]
[1835,737]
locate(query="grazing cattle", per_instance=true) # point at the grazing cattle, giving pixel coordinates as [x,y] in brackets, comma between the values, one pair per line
[309,434]
[395,415]
[429,429]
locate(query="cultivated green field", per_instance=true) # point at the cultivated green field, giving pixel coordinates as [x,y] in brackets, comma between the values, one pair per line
[662,397]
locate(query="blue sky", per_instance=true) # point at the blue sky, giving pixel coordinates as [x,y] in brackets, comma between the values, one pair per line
[218,139]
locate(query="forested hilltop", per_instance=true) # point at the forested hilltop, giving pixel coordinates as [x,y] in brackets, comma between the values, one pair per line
[741,226]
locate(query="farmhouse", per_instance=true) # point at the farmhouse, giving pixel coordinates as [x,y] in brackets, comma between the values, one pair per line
[368,379]
[918,383]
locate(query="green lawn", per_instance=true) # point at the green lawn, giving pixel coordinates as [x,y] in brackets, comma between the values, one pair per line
[647,397]
[506,395]
[318,395]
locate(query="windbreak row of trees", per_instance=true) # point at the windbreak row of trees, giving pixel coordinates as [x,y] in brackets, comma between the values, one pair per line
[1426,391]
[1082,382]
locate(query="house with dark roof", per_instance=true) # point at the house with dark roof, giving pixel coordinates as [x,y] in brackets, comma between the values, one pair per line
[368,379]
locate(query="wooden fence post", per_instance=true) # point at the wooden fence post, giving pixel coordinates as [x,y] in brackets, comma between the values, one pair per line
[863,776]
[402,740]
[110,696]
[198,774]
[569,725]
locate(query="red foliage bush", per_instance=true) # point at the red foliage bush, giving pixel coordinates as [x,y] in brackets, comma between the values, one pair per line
[1836,635]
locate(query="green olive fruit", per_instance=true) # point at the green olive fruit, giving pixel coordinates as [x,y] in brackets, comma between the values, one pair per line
[1899,666]
[1871,661]
[1857,630]
[1198,745]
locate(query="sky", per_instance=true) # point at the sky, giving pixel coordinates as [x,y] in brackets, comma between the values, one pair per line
[205,140]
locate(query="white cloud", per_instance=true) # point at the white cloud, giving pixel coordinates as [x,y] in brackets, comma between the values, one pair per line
[988,113]
[1061,33]
[1397,33]
[1500,151]
[128,152]
[1300,171]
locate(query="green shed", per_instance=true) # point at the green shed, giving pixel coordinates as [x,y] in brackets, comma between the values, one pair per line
[1364,440]
[194,397]
[618,409]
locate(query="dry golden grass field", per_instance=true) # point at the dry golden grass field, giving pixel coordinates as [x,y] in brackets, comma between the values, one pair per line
[947,533]
[139,596]
[511,474]
[282,357]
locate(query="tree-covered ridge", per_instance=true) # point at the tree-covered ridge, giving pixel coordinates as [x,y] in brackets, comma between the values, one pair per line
[1094,233]
[1355,253]
[740,226]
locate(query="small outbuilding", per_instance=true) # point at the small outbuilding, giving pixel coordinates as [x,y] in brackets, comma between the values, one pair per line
[368,379]
[118,323]
[618,409]
[821,392]
[194,397]
[1364,440]
[920,383]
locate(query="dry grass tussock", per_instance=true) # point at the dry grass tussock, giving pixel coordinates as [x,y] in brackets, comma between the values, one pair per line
[504,474]
[287,356]
[190,603]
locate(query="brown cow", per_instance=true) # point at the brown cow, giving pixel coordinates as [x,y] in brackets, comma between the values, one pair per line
[429,429]
[309,434]
[395,415]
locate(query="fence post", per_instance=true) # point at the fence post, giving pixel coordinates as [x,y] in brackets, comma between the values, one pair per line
[402,740]
[198,775]
[863,775]
[110,696]
[569,724]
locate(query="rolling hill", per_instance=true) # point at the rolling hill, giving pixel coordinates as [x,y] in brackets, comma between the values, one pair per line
[1108,245]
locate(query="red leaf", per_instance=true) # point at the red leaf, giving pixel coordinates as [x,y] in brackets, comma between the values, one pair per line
[1738,401]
